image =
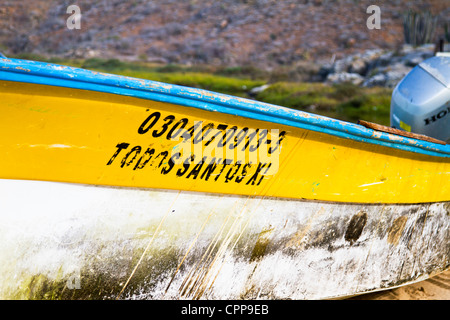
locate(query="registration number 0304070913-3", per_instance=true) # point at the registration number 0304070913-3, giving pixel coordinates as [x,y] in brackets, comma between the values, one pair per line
[198,141]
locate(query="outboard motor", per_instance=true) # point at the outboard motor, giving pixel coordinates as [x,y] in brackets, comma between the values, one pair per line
[421,101]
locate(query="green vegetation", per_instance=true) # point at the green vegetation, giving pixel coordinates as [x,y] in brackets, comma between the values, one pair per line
[200,77]
[371,104]
[343,101]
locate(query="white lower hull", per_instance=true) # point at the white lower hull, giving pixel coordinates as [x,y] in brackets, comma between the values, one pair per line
[76,241]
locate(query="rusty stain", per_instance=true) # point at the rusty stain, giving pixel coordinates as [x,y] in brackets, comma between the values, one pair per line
[447,208]
[20,68]
[297,241]
[261,244]
[396,229]
[355,227]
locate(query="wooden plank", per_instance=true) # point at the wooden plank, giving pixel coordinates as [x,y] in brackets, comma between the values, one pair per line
[399,132]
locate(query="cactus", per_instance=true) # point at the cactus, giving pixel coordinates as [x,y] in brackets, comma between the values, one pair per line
[447,31]
[419,28]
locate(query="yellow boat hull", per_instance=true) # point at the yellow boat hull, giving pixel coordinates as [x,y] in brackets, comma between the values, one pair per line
[71,135]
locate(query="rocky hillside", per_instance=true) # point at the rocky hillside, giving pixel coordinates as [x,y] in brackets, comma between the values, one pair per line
[376,67]
[262,33]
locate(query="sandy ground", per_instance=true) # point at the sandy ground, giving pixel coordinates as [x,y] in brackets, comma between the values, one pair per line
[435,288]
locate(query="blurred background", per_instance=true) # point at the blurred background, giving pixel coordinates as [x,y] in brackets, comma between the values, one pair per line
[314,55]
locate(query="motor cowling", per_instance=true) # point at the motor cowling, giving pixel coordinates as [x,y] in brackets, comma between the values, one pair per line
[421,100]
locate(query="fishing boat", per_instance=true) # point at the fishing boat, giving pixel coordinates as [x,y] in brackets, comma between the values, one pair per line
[113,187]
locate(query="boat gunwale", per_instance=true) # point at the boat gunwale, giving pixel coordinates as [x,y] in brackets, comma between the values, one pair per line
[27,71]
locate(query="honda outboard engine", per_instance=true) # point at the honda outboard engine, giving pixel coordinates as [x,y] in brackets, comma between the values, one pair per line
[421,101]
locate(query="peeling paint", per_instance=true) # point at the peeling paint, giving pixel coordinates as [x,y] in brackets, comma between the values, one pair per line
[133,243]
[52,146]
[59,146]
[356,227]
[23,69]
[261,244]
[50,74]
[395,231]
[371,184]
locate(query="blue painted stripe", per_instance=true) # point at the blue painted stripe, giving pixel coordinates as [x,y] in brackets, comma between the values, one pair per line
[63,76]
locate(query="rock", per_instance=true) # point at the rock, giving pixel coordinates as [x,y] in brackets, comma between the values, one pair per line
[393,77]
[384,60]
[376,67]
[85,53]
[388,77]
[324,71]
[311,108]
[376,80]
[414,58]
[342,65]
[259,89]
[342,77]
[223,24]
[358,66]
[358,63]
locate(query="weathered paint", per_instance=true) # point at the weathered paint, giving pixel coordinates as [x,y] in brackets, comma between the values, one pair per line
[24,71]
[117,230]
[76,241]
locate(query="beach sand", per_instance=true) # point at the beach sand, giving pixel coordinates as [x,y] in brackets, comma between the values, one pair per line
[435,288]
